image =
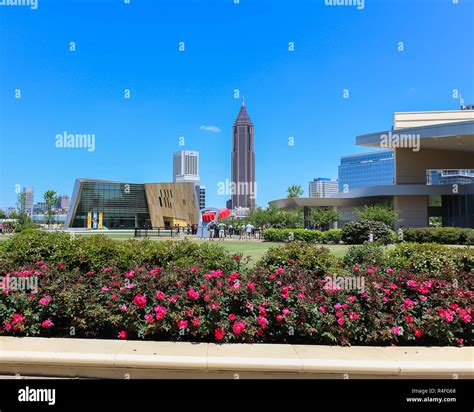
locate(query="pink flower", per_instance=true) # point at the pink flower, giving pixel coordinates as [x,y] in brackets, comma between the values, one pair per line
[192,294]
[370,271]
[123,308]
[351,298]
[418,333]
[8,327]
[195,321]
[160,312]
[338,314]
[323,309]
[423,298]
[356,268]
[17,318]
[238,327]
[149,318]
[122,334]
[45,301]
[411,283]
[300,295]
[232,317]
[286,311]
[104,289]
[40,263]
[341,321]
[47,323]
[460,341]
[130,274]
[389,271]
[262,321]
[160,295]
[279,318]
[337,306]
[140,301]
[182,324]
[251,286]
[194,270]
[396,330]
[219,333]
[353,316]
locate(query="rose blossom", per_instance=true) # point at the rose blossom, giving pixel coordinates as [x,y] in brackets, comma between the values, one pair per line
[219,333]
[232,317]
[238,327]
[45,301]
[160,312]
[160,295]
[182,324]
[140,301]
[47,323]
[192,294]
[149,318]
[122,334]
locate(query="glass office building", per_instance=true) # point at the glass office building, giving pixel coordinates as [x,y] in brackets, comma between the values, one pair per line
[450,177]
[123,205]
[366,169]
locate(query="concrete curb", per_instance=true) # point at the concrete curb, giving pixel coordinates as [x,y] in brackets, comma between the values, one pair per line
[143,359]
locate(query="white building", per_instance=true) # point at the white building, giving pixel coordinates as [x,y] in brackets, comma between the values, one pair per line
[323,187]
[186,167]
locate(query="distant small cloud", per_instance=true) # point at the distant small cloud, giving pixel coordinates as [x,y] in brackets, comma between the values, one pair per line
[213,129]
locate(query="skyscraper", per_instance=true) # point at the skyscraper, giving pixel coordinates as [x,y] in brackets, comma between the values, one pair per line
[243,161]
[29,199]
[186,170]
[323,187]
[186,167]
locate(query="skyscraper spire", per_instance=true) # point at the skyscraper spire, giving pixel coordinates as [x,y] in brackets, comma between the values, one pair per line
[243,161]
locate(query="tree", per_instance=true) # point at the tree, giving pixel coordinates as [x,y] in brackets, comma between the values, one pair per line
[378,213]
[3,215]
[294,191]
[50,200]
[321,217]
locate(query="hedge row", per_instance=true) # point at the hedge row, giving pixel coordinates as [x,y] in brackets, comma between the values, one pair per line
[304,235]
[441,235]
[296,293]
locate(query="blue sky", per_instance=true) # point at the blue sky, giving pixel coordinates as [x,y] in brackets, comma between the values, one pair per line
[227,46]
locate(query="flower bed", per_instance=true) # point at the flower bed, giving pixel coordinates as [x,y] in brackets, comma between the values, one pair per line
[319,302]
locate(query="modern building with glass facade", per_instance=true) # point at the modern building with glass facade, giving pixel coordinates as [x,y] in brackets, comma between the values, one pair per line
[366,169]
[104,204]
[444,144]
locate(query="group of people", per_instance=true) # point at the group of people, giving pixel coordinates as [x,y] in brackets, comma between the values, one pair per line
[7,227]
[221,231]
[186,230]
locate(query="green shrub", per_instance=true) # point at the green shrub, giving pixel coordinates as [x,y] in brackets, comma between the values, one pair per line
[355,233]
[331,236]
[429,257]
[303,235]
[308,256]
[367,254]
[91,253]
[441,235]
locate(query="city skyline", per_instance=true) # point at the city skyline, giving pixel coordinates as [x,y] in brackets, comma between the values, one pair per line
[156,79]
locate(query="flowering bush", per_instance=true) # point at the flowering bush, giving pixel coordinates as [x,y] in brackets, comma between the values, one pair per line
[290,303]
